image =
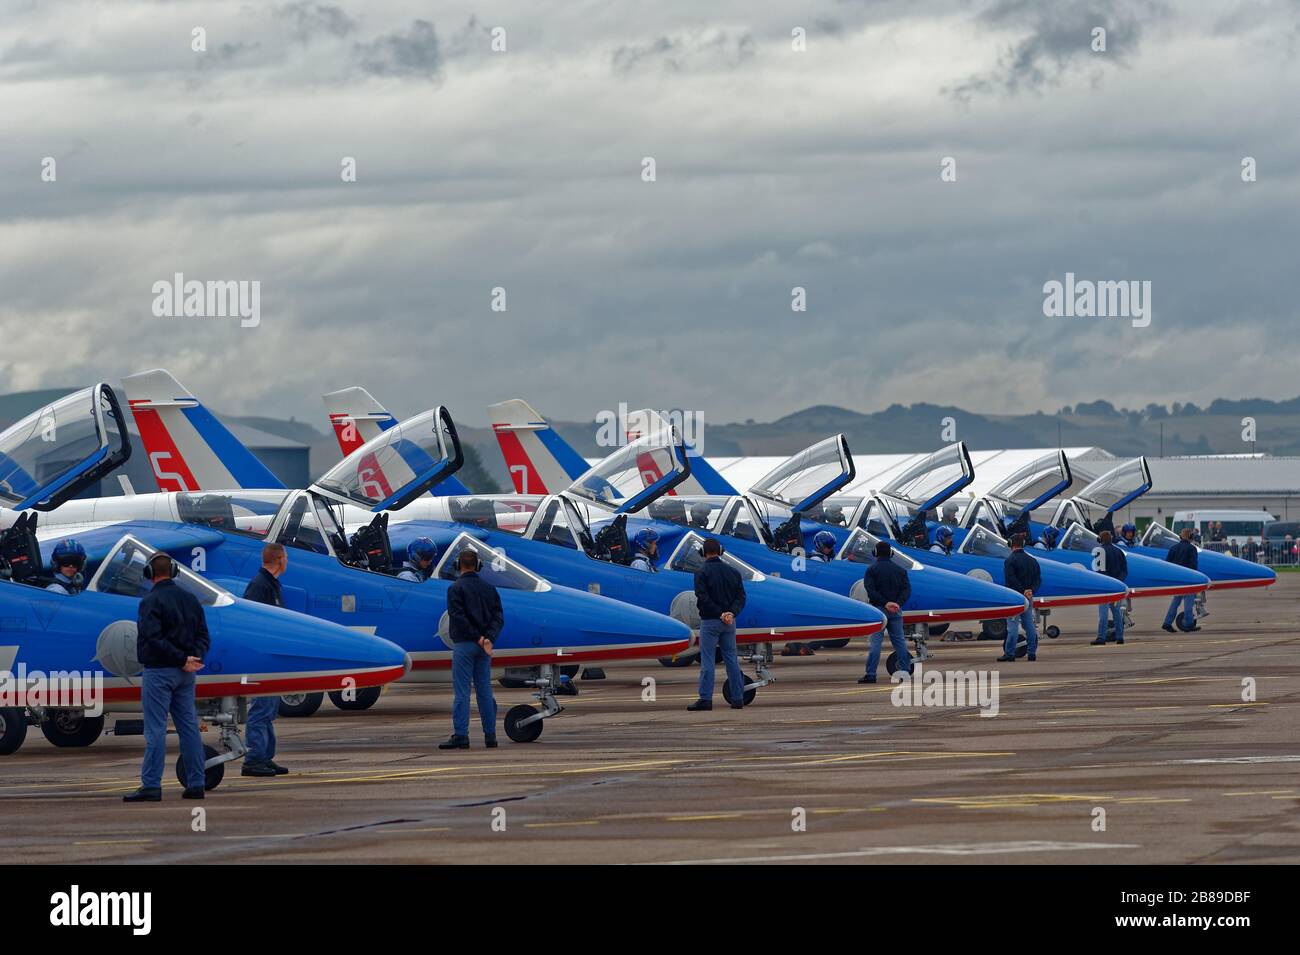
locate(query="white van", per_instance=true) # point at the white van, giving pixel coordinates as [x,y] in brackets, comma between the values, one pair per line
[1237,526]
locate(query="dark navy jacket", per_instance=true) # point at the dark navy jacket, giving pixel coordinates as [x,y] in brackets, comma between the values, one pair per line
[170,627]
[265,589]
[718,589]
[474,609]
[886,582]
[1116,562]
[1022,572]
[1183,554]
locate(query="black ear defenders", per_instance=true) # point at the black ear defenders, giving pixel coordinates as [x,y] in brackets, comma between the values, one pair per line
[478,561]
[173,569]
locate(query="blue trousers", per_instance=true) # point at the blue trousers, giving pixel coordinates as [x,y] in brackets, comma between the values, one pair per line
[470,664]
[893,624]
[715,633]
[1026,619]
[170,690]
[1189,618]
[1115,610]
[259,732]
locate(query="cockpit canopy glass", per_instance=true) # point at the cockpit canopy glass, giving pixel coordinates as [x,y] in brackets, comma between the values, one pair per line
[238,512]
[802,481]
[398,463]
[982,542]
[935,477]
[495,567]
[510,514]
[616,482]
[689,557]
[1078,537]
[861,549]
[122,573]
[1119,485]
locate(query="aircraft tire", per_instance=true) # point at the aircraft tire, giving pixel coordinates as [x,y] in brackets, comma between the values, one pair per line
[1053,632]
[833,644]
[677,661]
[13,729]
[522,734]
[363,700]
[301,704]
[212,776]
[749,694]
[72,728]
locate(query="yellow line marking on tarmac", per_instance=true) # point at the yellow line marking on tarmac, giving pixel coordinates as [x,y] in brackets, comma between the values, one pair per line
[1146,799]
[1010,799]
[720,815]
[435,829]
[1067,712]
[552,825]
[904,754]
[1263,792]
[1232,706]
[1143,709]
[115,842]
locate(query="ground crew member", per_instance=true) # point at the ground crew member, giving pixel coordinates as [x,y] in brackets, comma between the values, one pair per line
[264,588]
[1113,564]
[67,562]
[645,548]
[1183,554]
[720,596]
[475,617]
[887,589]
[823,547]
[420,555]
[171,641]
[942,541]
[1022,575]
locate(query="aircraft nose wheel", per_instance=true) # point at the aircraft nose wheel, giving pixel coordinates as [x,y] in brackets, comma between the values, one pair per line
[751,689]
[1053,632]
[212,776]
[362,699]
[72,728]
[523,722]
[300,704]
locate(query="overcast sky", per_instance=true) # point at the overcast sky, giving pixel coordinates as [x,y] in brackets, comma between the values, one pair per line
[775,168]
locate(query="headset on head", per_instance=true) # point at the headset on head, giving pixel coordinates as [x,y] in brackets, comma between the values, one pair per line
[173,568]
[478,561]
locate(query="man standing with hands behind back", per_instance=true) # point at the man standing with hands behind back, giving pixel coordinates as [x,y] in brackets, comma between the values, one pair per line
[171,639]
[719,595]
[262,711]
[475,620]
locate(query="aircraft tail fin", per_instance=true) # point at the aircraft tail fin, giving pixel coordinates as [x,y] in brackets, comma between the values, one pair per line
[704,479]
[187,447]
[540,461]
[357,417]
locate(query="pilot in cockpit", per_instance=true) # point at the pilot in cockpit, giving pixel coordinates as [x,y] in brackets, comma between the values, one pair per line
[1048,540]
[700,513]
[823,547]
[949,514]
[420,555]
[833,514]
[942,541]
[645,548]
[67,562]
[671,509]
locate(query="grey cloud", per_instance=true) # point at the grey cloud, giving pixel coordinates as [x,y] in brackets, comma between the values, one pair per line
[308,20]
[699,49]
[414,52]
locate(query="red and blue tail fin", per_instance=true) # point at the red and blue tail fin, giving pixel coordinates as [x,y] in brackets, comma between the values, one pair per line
[540,461]
[187,447]
[704,479]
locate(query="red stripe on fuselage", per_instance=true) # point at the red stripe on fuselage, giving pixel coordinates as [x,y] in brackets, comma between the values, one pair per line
[275,686]
[570,656]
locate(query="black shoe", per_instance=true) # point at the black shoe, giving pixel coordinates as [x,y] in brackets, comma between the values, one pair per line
[490,742]
[1192,629]
[1167,628]
[455,742]
[279,770]
[1099,642]
[257,769]
[193,792]
[866,678]
[737,706]
[1119,643]
[700,705]
[144,795]
[1006,658]
[1032,658]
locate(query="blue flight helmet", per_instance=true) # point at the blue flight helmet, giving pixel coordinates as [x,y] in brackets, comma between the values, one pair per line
[422,548]
[643,539]
[68,553]
[1127,528]
[1049,536]
[823,539]
[944,533]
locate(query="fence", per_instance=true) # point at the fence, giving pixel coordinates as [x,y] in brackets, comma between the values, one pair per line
[1272,553]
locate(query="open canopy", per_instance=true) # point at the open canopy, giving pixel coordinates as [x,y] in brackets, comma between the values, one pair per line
[809,477]
[58,451]
[1118,487]
[636,474]
[122,572]
[1039,481]
[935,478]
[394,468]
